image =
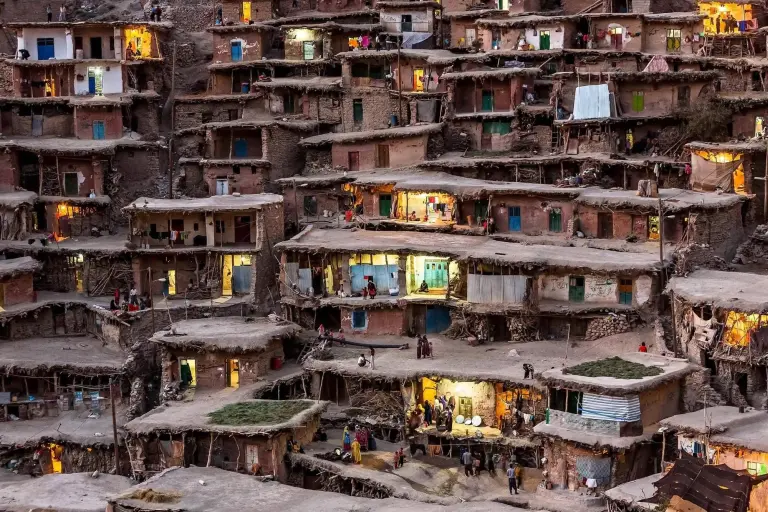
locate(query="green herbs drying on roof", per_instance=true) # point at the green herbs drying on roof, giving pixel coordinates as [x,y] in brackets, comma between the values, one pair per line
[615,367]
[257,413]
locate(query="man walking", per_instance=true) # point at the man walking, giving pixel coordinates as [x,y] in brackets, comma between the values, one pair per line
[466,459]
[512,480]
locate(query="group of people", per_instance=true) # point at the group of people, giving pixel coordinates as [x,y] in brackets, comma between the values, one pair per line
[324,334]
[441,411]
[356,442]
[62,13]
[155,13]
[362,362]
[131,300]
[423,347]
[725,23]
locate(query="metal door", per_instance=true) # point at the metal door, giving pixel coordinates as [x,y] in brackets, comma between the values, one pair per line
[237,51]
[241,148]
[576,289]
[515,221]
[385,205]
[438,319]
[406,24]
[91,83]
[98,130]
[241,279]
[45,48]
[222,187]
[37,125]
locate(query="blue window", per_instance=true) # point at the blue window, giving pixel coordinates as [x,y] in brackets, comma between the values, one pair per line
[359,320]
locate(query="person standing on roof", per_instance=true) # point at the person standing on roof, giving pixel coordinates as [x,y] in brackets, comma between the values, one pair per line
[642,348]
[62,13]
[49,13]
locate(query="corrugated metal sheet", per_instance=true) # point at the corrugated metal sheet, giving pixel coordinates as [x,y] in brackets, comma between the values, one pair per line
[291,274]
[611,408]
[592,102]
[384,277]
[496,289]
[305,280]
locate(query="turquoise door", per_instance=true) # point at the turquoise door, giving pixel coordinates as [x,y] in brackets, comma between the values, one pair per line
[436,274]
[515,223]
[241,148]
[98,130]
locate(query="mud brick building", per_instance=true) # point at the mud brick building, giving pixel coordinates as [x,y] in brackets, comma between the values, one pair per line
[589,436]
[513,295]
[206,247]
[223,352]
[183,434]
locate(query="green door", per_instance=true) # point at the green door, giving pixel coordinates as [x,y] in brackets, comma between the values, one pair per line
[576,289]
[487,104]
[544,40]
[555,220]
[385,205]
[436,273]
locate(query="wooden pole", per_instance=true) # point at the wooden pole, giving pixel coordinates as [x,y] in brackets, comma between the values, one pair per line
[399,86]
[151,301]
[114,427]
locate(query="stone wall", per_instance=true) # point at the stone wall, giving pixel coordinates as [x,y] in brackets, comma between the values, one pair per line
[18,290]
[607,326]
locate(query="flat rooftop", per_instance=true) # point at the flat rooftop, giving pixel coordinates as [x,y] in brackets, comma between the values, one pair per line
[738,291]
[671,369]
[63,492]
[88,24]
[725,425]
[635,492]
[16,199]
[225,491]
[730,147]
[192,415]
[673,199]
[386,133]
[459,161]
[205,204]
[456,360]
[16,266]
[78,355]
[228,334]
[433,181]
[73,426]
[71,146]
[465,247]
[713,419]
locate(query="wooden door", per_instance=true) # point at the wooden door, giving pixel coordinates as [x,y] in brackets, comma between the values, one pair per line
[37,125]
[544,42]
[385,205]
[605,225]
[354,161]
[625,291]
[576,289]
[382,156]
